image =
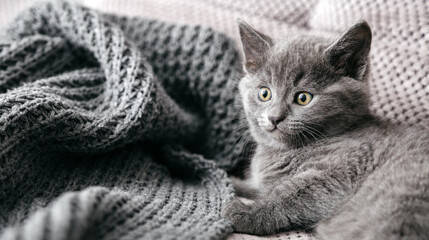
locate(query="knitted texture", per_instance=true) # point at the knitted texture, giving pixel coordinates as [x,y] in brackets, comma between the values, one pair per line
[107,124]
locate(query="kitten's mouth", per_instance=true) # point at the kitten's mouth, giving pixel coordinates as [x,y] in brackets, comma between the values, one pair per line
[269,129]
[272,129]
[276,131]
[296,126]
[285,131]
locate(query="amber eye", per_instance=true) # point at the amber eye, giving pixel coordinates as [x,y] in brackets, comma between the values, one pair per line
[303,98]
[264,94]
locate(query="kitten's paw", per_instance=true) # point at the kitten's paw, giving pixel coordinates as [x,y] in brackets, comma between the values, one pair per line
[235,209]
[240,216]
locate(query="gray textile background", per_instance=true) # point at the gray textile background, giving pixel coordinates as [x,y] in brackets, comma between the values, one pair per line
[110,127]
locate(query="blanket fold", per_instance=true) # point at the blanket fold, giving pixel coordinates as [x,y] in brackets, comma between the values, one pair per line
[115,128]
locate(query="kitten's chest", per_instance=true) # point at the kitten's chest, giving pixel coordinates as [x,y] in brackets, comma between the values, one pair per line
[268,167]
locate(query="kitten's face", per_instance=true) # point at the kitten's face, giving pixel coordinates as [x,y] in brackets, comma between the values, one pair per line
[301,89]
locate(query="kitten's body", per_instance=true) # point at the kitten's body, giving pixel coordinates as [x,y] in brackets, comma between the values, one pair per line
[329,163]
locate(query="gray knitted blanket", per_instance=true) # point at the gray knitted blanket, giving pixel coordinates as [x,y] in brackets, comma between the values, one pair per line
[115,128]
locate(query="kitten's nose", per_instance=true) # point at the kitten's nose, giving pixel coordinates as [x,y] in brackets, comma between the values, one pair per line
[275,120]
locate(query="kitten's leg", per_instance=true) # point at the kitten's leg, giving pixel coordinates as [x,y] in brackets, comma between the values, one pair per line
[243,188]
[302,200]
[297,203]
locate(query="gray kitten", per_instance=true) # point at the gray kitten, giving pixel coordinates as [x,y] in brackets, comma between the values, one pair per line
[322,160]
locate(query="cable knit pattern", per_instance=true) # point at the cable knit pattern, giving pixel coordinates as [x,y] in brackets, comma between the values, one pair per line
[107,124]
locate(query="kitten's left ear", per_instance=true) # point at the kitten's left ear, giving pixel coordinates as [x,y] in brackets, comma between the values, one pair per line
[349,54]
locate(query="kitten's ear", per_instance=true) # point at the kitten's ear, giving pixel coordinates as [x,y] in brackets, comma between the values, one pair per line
[255,45]
[349,54]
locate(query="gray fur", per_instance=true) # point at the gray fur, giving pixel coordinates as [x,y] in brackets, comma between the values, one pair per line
[329,165]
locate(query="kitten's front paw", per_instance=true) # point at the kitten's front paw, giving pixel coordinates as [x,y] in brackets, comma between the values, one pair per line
[239,214]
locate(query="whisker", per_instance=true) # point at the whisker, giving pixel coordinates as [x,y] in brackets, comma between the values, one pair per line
[236,141]
[313,134]
[302,143]
[306,138]
[234,119]
[239,128]
[317,131]
[246,141]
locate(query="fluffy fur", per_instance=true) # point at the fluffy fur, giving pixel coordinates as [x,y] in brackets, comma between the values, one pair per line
[330,165]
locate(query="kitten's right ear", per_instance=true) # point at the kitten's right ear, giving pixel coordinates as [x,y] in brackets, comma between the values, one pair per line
[349,54]
[255,45]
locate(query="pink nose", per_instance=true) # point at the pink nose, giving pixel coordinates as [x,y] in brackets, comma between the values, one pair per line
[276,120]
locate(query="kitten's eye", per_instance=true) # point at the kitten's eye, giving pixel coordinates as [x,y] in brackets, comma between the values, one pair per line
[303,98]
[264,94]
